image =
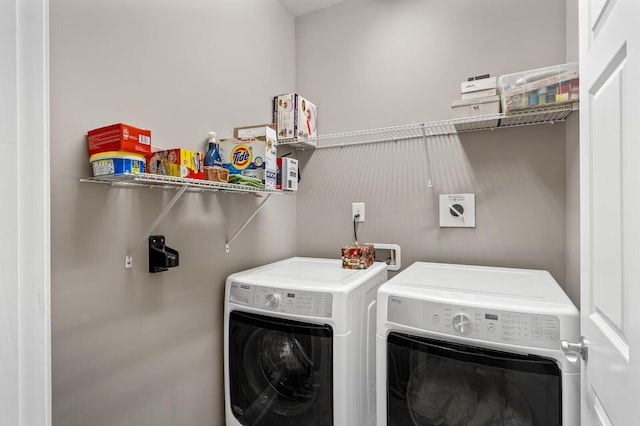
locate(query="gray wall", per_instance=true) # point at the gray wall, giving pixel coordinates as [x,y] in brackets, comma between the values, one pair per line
[385,63]
[131,347]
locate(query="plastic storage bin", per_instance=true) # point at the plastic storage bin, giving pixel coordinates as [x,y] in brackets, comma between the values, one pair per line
[540,87]
[117,162]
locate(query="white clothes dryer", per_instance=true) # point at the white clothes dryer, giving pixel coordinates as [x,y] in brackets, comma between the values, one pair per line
[474,345]
[299,344]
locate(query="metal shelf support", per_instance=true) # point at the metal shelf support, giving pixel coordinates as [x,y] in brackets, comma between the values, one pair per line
[228,244]
[128,258]
[426,147]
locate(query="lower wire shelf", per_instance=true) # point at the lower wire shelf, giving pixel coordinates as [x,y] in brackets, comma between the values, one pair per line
[193,185]
[182,185]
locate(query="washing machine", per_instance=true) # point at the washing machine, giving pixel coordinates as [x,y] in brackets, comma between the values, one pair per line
[299,344]
[474,345]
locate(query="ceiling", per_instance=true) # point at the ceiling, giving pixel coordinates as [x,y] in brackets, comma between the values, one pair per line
[302,7]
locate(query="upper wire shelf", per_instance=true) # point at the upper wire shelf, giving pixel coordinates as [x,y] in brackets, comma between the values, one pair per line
[440,128]
[170,182]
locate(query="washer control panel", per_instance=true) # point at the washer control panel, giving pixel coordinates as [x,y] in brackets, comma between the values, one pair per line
[298,302]
[517,328]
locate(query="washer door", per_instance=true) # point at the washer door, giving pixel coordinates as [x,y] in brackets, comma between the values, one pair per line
[280,371]
[431,382]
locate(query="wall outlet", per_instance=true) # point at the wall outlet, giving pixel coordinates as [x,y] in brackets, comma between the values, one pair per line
[458,210]
[357,208]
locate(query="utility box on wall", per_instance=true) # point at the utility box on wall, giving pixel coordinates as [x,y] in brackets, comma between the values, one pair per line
[458,210]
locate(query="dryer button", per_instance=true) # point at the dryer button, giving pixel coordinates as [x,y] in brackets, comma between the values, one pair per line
[272,300]
[462,323]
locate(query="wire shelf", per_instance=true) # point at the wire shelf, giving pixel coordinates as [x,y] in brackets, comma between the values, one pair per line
[440,128]
[538,116]
[170,182]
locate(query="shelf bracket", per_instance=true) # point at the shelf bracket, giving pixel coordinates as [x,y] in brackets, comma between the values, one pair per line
[128,259]
[426,146]
[228,244]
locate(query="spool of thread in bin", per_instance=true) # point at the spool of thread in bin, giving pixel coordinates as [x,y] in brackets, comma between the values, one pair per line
[563,91]
[551,93]
[542,95]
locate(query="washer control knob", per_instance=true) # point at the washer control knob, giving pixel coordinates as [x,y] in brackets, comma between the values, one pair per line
[272,300]
[462,323]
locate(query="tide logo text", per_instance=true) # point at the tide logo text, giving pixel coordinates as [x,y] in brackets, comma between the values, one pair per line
[241,157]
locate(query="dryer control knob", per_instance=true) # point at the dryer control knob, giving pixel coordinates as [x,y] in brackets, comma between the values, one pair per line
[462,323]
[272,300]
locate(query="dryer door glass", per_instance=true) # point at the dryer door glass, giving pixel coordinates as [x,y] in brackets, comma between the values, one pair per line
[431,382]
[280,371]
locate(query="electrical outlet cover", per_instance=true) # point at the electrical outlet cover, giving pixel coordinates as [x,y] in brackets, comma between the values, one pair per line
[357,208]
[458,210]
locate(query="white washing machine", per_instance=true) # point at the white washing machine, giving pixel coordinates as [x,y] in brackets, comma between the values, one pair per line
[473,345]
[299,344]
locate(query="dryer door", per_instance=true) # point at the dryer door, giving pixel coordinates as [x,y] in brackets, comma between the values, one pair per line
[432,382]
[280,371]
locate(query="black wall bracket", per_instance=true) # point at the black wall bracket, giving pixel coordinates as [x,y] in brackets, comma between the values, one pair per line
[161,257]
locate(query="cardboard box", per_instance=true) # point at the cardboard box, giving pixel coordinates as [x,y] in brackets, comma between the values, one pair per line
[295,117]
[177,162]
[251,157]
[119,137]
[476,107]
[287,176]
[258,131]
[479,94]
[476,85]
[358,256]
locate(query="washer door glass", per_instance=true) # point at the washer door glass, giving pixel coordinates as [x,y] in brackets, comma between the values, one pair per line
[432,382]
[280,371]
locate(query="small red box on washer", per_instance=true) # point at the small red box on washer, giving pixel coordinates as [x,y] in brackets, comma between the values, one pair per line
[357,256]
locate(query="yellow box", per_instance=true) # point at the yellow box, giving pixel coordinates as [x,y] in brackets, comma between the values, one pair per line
[176,162]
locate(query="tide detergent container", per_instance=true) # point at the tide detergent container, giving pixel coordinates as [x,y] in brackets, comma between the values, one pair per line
[251,157]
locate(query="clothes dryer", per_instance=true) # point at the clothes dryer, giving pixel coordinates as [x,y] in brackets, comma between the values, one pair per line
[474,345]
[299,344]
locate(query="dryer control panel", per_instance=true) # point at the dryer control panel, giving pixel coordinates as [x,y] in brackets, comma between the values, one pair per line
[516,328]
[297,302]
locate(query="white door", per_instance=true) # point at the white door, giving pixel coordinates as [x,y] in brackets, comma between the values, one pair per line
[25,345]
[610,210]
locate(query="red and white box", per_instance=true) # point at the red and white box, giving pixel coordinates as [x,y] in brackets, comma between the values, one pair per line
[119,137]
